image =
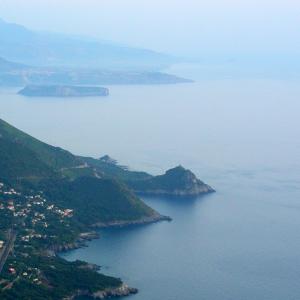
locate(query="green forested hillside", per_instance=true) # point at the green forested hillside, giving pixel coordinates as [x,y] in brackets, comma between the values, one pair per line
[95,188]
[111,169]
[19,162]
[50,200]
[66,179]
[175,182]
[96,200]
[55,157]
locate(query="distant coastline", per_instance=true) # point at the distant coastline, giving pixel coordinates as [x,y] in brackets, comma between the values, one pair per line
[63,91]
[14,74]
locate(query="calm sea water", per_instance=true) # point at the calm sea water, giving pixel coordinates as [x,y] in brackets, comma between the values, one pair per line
[240,136]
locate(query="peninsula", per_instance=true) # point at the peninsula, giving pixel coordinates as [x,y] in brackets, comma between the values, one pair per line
[176,182]
[52,200]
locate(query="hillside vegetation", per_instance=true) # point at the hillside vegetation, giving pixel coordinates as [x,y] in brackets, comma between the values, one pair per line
[65,178]
[51,200]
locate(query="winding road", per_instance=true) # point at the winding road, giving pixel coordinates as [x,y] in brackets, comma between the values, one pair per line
[7,248]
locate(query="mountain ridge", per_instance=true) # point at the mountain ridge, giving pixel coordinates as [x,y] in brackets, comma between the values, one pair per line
[52,49]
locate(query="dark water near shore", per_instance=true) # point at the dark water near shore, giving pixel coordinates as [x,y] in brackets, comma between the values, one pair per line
[241,243]
[240,136]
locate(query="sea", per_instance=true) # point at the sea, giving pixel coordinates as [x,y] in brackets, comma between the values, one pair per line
[239,134]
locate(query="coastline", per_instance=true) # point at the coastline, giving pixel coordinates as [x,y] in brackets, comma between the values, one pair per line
[124,223]
[178,193]
[84,237]
[121,291]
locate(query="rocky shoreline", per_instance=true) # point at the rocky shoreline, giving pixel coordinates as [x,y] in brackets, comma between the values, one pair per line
[121,291]
[196,192]
[176,182]
[84,237]
[78,243]
[146,220]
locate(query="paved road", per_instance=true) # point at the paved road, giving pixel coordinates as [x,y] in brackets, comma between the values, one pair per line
[7,248]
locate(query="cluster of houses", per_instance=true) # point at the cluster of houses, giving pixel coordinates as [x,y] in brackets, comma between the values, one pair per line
[30,273]
[32,213]
[8,192]
[34,209]
[19,210]
[32,235]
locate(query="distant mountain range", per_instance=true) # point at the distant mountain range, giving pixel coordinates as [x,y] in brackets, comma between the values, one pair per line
[30,57]
[22,45]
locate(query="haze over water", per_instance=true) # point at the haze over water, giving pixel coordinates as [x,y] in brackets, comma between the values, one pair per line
[240,136]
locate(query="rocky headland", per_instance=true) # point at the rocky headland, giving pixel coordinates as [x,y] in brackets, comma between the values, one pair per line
[176,182]
[122,291]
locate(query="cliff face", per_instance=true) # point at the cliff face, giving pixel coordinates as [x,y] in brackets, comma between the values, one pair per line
[175,182]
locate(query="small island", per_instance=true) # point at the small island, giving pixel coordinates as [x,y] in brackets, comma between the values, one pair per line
[63,91]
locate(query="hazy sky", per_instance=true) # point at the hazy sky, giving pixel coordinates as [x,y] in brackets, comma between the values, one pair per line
[176,26]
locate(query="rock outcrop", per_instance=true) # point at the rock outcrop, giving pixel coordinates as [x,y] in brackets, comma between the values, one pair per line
[121,291]
[78,243]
